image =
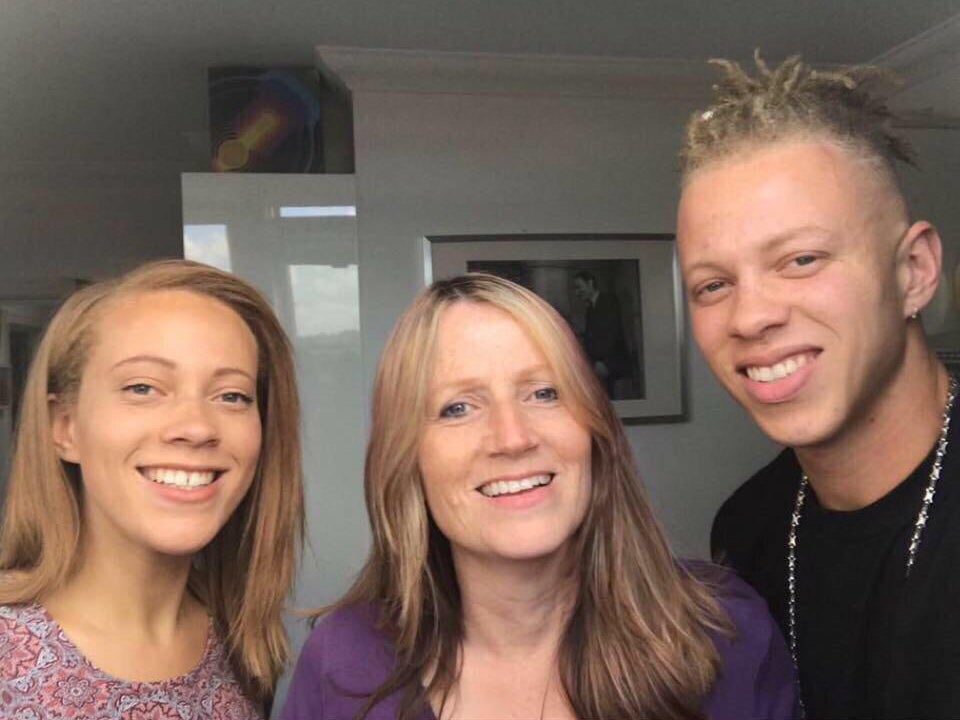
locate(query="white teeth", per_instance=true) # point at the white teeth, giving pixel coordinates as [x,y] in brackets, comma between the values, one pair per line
[181,478]
[769,373]
[511,487]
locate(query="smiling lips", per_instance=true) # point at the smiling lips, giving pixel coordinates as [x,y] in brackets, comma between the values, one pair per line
[184,479]
[778,371]
[780,381]
[514,487]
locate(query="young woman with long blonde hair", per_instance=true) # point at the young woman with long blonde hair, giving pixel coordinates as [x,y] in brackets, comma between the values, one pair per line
[154,508]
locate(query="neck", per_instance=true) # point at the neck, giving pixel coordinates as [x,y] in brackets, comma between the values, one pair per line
[515,608]
[118,589]
[887,442]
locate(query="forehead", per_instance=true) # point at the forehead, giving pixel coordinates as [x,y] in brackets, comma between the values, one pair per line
[477,337]
[807,163]
[172,322]
[787,184]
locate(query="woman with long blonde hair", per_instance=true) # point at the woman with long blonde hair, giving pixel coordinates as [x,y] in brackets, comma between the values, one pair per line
[517,570]
[154,508]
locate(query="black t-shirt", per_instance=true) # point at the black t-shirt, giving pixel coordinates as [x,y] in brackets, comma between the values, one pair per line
[871,644]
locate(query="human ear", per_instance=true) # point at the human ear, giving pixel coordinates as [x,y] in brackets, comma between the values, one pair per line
[919,258]
[61,428]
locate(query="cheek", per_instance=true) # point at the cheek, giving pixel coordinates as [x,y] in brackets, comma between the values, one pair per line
[577,449]
[707,326]
[251,440]
[433,461]
[100,442]
[854,290]
[444,465]
[106,471]
[241,436]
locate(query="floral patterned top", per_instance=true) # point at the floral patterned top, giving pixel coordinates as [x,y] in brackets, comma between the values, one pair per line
[44,676]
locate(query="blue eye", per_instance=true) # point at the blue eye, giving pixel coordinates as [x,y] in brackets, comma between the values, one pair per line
[139,388]
[546,393]
[454,410]
[805,260]
[711,287]
[236,398]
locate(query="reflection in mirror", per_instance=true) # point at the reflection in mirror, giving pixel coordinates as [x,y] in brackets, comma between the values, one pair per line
[207,244]
[325,300]
[302,211]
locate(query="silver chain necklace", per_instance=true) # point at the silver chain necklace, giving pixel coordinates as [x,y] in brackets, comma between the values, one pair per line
[918,526]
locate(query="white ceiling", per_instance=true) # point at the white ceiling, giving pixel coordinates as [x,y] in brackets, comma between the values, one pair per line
[124,80]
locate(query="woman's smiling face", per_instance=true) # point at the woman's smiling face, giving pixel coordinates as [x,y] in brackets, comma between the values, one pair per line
[506,466]
[165,426]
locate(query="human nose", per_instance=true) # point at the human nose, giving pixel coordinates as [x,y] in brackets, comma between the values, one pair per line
[511,431]
[191,424]
[756,310]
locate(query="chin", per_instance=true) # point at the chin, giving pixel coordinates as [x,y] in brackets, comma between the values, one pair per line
[184,549]
[181,544]
[539,548]
[796,431]
[518,555]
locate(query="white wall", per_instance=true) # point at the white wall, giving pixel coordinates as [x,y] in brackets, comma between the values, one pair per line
[931,193]
[86,220]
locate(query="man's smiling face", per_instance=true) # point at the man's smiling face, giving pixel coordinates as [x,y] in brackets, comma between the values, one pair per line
[788,253]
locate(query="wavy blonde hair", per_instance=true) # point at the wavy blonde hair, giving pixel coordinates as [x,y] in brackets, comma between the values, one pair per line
[244,574]
[638,643]
[794,99]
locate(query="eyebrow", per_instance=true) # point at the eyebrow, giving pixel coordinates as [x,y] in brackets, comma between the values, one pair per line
[786,236]
[469,384]
[170,364]
[770,244]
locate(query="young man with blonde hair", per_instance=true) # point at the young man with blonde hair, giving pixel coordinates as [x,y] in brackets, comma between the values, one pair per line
[805,274]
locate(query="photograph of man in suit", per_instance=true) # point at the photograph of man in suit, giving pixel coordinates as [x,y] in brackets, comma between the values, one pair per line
[603,338]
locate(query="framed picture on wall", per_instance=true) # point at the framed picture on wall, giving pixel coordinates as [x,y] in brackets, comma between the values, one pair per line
[620,293]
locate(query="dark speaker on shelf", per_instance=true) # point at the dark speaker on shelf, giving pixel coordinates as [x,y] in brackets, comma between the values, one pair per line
[265,120]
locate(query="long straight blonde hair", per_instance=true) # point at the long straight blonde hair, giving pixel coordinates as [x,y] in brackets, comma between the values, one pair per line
[638,644]
[244,574]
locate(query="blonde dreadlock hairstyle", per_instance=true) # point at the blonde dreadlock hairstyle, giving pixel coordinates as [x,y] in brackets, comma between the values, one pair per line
[794,100]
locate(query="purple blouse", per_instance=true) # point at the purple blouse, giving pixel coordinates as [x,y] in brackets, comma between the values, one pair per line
[346,657]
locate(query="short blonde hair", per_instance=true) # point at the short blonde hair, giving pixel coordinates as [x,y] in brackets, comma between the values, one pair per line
[794,99]
[638,643]
[244,574]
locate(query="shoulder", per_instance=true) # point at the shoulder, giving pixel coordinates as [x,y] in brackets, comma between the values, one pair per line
[756,677]
[212,683]
[749,512]
[344,659]
[348,635]
[35,662]
[767,487]
[24,625]
[20,613]
[741,604]
[747,611]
